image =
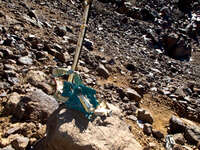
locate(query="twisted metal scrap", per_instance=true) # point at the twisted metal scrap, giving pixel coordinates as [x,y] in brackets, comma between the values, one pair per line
[169,142]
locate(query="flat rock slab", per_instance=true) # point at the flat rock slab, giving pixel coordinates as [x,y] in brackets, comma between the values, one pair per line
[70,130]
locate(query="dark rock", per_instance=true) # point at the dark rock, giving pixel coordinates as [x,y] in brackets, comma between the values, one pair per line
[176,125]
[7,53]
[157,134]
[133,95]
[147,129]
[102,71]
[26,60]
[179,138]
[192,135]
[144,116]
[36,106]
[8,42]
[60,31]
[88,44]
[176,47]
[131,67]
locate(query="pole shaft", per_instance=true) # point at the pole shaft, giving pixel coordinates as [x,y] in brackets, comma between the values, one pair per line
[80,39]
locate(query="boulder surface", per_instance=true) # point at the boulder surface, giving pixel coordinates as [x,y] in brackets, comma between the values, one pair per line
[69,129]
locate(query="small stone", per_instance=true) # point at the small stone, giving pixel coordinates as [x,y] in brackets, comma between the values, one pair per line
[179,138]
[132,118]
[147,129]
[157,134]
[26,60]
[88,44]
[12,130]
[6,53]
[60,31]
[102,71]
[133,95]
[144,116]
[12,103]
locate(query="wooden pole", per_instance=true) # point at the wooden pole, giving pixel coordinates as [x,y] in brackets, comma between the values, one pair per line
[87,4]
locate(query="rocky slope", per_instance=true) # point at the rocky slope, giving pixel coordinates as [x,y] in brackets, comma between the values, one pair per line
[142,56]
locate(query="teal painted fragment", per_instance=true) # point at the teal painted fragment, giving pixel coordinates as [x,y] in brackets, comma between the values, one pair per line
[76,90]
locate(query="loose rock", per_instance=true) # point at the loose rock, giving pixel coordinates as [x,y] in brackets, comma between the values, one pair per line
[147,129]
[102,71]
[157,134]
[144,116]
[26,60]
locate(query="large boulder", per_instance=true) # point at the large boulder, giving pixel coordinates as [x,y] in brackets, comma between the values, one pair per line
[70,130]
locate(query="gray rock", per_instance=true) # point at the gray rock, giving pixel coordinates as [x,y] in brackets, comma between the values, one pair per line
[26,60]
[144,116]
[157,134]
[102,71]
[176,125]
[147,129]
[132,118]
[69,129]
[36,106]
[179,138]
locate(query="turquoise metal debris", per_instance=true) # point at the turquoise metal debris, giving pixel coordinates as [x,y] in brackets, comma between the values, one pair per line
[76,91]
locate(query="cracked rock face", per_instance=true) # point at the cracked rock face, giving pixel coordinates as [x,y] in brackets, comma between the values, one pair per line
[69,129]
